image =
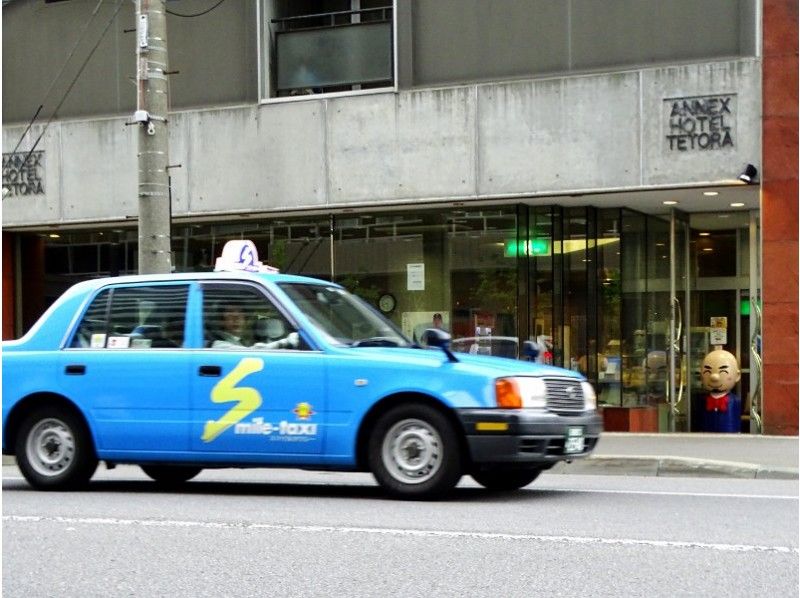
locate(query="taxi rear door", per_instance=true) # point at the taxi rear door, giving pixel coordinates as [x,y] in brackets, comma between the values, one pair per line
[127,367]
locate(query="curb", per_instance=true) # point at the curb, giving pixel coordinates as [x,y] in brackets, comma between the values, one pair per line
[665,466]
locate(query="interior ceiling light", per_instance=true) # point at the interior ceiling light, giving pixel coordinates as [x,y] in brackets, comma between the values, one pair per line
[737,204]
[705,234]
[670,202]
[708,249]
[710,193]
[749,174]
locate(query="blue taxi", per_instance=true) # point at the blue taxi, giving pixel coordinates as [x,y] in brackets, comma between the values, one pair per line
[253,368]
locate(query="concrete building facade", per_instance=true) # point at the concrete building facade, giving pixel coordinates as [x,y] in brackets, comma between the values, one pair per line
[564,170]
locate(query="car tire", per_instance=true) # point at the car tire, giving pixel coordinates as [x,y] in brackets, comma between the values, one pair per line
[55,450]
[504,480]
[171,474]
[414,453]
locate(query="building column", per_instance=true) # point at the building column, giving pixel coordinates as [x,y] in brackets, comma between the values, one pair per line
[9,286]
[779,213]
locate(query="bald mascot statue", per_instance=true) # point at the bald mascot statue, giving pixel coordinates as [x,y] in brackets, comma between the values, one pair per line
[723,408]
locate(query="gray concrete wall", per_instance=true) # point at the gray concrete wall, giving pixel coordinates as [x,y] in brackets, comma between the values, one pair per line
[458,41]
[439,42]
[574,134]
[216,55]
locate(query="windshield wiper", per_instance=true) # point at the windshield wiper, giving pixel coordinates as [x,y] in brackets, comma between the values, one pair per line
[375,341]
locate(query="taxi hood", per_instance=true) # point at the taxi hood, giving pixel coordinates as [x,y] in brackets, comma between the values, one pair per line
[467,363]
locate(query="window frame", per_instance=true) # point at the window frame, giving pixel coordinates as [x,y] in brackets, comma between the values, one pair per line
[264,292]
[264,56]
[75,324]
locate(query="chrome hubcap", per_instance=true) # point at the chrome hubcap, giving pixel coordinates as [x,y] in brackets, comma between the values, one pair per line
[412,451]
[50,447]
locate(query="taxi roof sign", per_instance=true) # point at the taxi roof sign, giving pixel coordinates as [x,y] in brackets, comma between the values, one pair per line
[241,254]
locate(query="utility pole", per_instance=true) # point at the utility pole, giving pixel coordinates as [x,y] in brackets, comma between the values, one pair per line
[152,103]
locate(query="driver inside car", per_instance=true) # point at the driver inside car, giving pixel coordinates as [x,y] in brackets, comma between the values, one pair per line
[270,333]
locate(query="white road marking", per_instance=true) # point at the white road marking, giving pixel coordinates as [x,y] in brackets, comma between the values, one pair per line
[323,529]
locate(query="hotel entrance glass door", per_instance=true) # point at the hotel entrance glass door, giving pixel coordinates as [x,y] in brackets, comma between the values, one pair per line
[654,310]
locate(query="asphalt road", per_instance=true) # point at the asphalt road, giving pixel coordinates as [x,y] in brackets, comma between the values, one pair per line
[292,533]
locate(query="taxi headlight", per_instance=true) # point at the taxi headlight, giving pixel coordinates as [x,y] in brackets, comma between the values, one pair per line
[520,392]
[589,396]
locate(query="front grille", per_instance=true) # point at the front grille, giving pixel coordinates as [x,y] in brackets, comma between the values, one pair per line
[564,395]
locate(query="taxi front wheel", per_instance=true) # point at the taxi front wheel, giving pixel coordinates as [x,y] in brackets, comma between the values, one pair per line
[54,450]
[171,474]
[414,452]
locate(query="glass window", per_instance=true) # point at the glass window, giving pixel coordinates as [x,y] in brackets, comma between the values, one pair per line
[609,303]
[94,322]
[459,264]
[545,295]
[242,317]
[343,317]
[576,260]
[328,46]
[633,314]
[714,253]
[135,318]
[296,247]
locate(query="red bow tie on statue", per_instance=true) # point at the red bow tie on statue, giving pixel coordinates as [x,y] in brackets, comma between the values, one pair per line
[717,403]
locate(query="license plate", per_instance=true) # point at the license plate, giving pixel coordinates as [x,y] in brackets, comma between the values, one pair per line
[574,441]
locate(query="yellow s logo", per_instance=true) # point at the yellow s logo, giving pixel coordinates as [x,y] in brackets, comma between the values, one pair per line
[225,391]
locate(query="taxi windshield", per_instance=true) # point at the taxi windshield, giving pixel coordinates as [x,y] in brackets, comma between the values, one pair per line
[343,317]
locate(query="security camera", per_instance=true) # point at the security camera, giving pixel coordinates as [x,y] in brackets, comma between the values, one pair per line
[749,174]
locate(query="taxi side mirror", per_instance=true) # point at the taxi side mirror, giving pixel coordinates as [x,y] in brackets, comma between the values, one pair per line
[434,337]
[531,350]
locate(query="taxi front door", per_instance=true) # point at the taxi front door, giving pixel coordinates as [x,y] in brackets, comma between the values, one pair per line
[250,404]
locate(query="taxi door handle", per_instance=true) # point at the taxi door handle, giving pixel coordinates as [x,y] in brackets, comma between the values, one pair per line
[75,370]
[210,370]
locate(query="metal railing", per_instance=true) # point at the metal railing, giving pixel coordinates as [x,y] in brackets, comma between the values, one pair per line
[295,23]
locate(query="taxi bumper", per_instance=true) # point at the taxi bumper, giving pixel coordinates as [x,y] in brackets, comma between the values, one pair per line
[528,436]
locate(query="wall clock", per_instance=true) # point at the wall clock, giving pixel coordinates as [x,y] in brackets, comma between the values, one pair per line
[387,303]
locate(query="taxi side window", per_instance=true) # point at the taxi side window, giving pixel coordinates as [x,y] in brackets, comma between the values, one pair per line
[93,324]
[240,317]
[141,317]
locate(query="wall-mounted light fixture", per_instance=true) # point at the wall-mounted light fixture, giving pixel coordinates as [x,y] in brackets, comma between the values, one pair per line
[749,174]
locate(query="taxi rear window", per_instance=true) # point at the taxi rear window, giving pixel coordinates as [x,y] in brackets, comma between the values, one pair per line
[141,317]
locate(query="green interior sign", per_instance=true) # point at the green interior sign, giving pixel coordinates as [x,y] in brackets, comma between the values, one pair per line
[514,247]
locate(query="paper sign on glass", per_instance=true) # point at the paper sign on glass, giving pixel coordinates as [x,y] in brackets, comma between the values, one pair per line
[416,277]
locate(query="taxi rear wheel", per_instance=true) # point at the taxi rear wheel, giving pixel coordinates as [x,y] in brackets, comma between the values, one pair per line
[501,479]
[171,474]
[414,452]
[54,450]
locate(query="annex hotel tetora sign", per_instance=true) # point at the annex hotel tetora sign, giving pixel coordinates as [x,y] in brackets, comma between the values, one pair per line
[700,122]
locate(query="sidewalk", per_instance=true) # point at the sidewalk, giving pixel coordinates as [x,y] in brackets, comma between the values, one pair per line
[684,455]
[690,455]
